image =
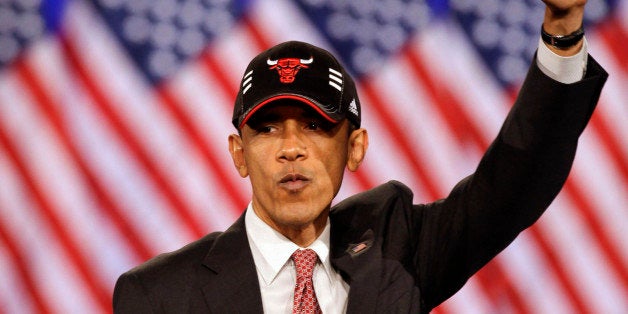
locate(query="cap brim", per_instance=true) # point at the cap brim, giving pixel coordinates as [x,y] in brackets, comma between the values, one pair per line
[299,98]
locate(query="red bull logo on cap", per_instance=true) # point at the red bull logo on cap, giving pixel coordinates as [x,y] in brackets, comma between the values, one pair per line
[288,67]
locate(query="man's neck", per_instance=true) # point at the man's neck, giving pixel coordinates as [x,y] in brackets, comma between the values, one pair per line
[301,235]
[304,235]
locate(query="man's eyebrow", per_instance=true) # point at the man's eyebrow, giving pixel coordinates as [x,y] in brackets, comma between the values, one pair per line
[273,116]
[264,116]
[311,114]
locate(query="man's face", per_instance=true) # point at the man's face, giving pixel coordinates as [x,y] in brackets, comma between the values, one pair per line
[295,160]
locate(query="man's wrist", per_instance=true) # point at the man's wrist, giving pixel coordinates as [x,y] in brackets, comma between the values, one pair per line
[562,41]
[563,22]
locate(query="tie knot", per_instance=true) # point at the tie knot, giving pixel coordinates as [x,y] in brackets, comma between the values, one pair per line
[304,261]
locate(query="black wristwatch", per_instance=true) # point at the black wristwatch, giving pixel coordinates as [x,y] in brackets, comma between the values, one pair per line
[562,41]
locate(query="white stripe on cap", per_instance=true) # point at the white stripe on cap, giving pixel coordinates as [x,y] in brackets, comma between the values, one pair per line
[337,77]
[248,77]
[336,86]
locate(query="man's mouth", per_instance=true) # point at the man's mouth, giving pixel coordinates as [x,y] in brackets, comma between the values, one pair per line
[294,181]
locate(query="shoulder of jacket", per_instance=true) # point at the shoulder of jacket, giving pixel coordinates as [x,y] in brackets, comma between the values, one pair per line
[376,197]
[391,188]
[177,261]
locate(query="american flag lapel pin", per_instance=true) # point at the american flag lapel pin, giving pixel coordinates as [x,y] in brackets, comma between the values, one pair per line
[359,247]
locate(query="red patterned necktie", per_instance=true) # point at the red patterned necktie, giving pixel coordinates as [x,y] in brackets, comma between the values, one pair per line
[304,297]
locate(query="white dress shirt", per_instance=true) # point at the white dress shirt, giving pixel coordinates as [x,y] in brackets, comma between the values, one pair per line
[277,275]
[271,250]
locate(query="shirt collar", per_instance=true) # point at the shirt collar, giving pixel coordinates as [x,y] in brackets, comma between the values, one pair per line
[272,250]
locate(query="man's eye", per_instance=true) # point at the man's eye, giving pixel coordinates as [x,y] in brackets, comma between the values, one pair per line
[265,129]
[314,125]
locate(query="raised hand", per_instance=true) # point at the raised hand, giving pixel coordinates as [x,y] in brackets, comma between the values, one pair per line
[563,17]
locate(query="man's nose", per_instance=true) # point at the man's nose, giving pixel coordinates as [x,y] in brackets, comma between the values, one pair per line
[292,146]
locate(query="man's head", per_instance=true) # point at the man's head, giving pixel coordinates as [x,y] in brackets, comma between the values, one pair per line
[298,116]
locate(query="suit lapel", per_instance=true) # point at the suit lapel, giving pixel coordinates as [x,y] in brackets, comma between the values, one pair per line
[231,285]
[360,266]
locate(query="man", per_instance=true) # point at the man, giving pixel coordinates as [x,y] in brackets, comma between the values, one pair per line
[298,120]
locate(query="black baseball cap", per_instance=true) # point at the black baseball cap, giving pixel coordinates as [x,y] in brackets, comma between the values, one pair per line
[299,71]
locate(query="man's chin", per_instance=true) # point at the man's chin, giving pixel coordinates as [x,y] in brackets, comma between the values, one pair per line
[298,216]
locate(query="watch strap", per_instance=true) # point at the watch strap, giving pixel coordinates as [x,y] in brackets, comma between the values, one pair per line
[562,41]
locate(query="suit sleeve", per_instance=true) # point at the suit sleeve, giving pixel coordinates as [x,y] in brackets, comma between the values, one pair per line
[129,296]
[518,177]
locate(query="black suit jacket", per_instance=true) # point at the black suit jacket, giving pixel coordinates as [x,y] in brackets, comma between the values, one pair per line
[417,255]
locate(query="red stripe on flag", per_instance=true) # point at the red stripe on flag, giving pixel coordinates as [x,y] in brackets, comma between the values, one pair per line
[611,143]
[72,249]
[227,182]
[106,203]
[447,105]
[261,41]
[566,282]
[20,262]
[587,211]
[400,137]
[364,179]
[615,38]
[211,68]
[132,142]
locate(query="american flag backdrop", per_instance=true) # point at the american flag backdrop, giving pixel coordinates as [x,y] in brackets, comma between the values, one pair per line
[114,117]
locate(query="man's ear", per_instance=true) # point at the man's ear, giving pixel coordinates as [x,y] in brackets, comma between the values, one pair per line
[237,154]
[358,143]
